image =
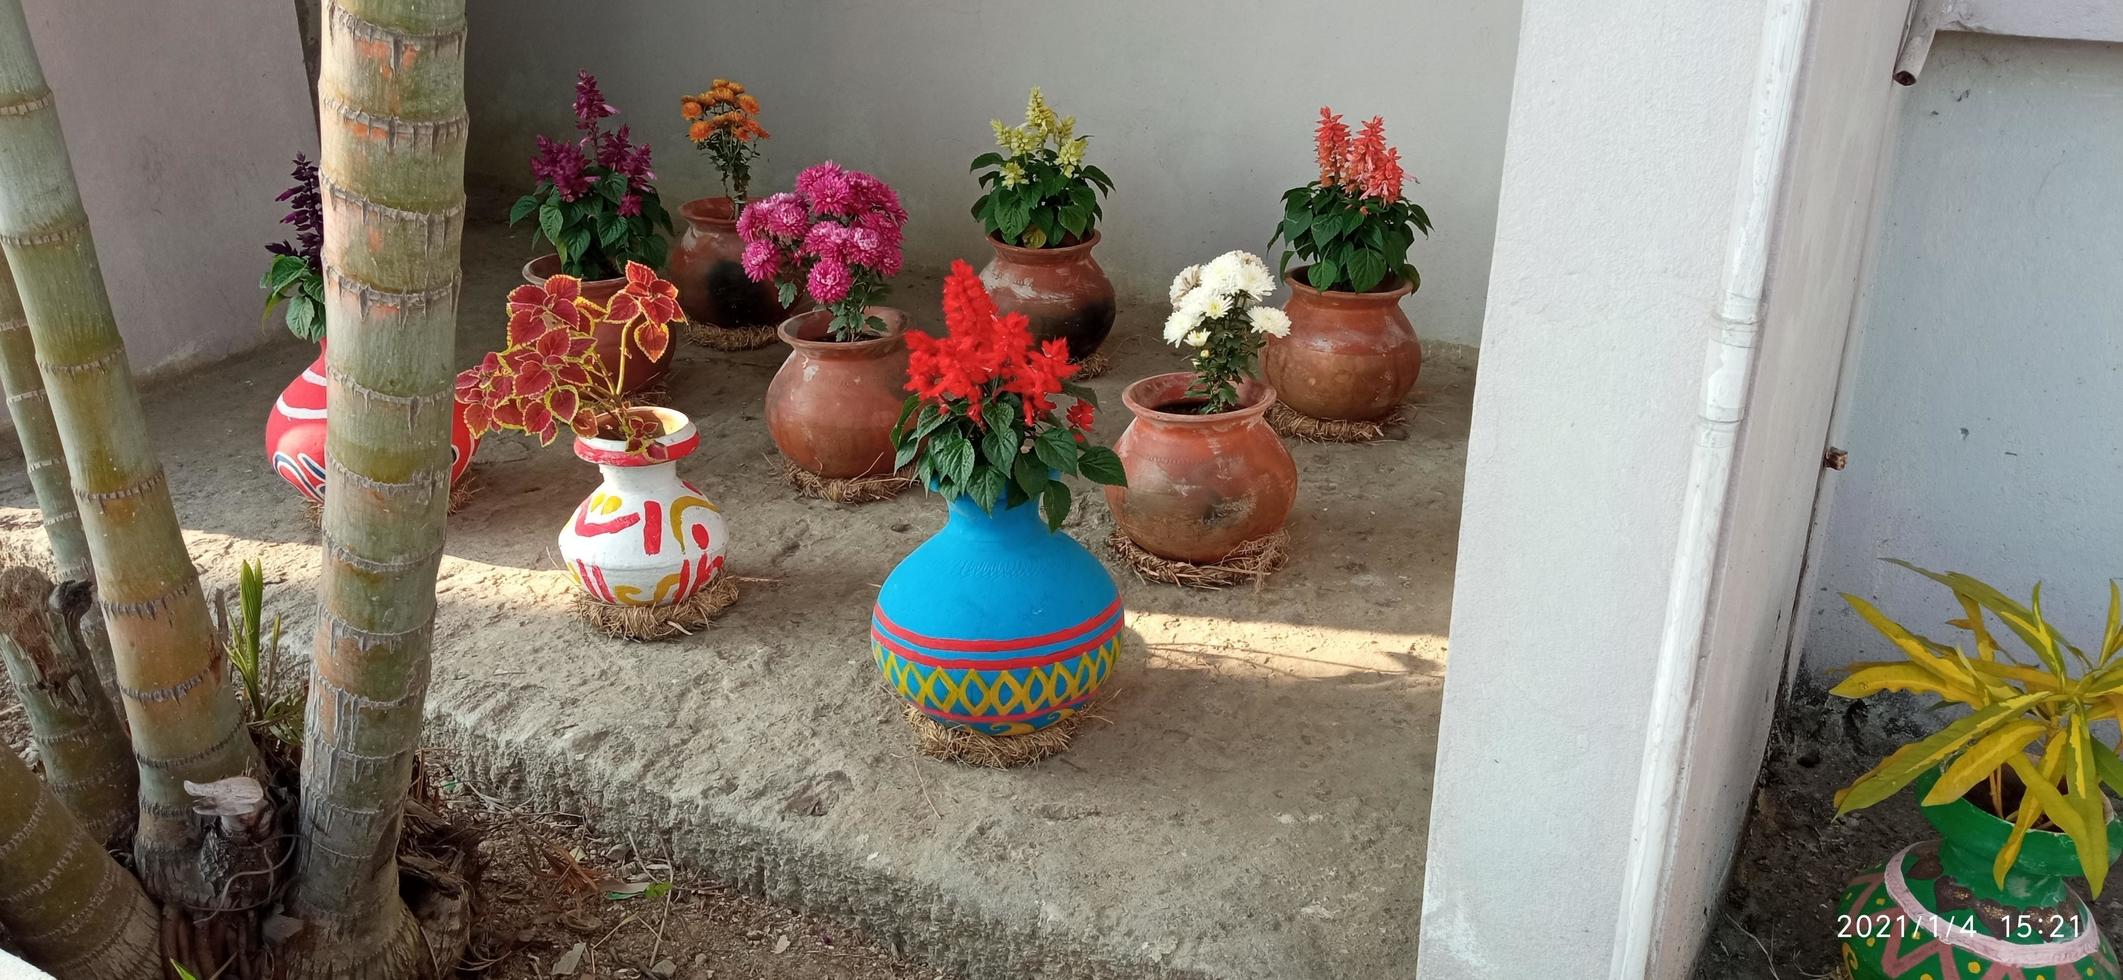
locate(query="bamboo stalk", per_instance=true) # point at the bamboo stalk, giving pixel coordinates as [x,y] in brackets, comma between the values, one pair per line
[392,115]
[88,763]
[41,456]
[29,406]
[64,902]
[185,721]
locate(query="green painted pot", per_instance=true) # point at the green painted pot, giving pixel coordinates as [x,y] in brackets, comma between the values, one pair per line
[1933,911]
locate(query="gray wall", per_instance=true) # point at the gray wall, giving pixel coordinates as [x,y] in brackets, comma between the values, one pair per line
[1202,111]
[181,118]
[1983,402]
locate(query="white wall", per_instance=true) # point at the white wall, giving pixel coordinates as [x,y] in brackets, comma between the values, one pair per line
[1201,111]
[1622,165]
[181,118]
[1619,174]
[1984,404]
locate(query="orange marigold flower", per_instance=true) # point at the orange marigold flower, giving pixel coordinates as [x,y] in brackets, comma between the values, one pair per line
[700,130]
[723,95]
[747,103]
[690,108]
[734,87]
[719,83]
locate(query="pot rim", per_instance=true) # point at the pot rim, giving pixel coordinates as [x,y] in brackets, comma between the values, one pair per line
[896,325]
[532,276]
[1058,253]
[719,211]
[1400,288]
[1255,398]
[2045,852]
[679,440]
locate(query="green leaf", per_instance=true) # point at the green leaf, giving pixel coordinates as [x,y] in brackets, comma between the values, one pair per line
[954,456]
[1074,220]
[1080,392]
[986,160]
[907,408]
[523,208]
[1324,274]
[987,487]
[551,221]
[785,293]
[1907,762]
[1366,270]
[305,318]
[1054,503]
[1101,465]
[1057,448]
[1030,475]
[999,443]
[285,270]
[2108,765]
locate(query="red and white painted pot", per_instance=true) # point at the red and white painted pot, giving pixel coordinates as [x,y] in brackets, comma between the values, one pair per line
[294,434]
[645,537]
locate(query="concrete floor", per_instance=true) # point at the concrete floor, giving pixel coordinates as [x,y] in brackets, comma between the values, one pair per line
[1254,803]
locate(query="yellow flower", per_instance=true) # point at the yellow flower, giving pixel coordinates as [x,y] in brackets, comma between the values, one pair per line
[1071,156]
[1013,174]
[1064,130]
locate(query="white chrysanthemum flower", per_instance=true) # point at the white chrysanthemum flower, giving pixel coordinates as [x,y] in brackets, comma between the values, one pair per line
[1214,305]
[1253,276]
[1199,338]
[1270,321]
[1185,282]
[1182,321]
[1220,275]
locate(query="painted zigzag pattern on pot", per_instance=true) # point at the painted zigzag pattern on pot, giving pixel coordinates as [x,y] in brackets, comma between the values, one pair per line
[999,687]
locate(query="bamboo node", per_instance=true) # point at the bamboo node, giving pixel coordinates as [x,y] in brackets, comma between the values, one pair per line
[34,394]
[50,236]
[146,484]
[97,363]
[36,102]
[149,606]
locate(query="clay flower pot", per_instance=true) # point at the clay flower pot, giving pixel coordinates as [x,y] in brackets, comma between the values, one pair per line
[706,268]
[1062,291]
[294,433]
[831,406]
[996,624]
[1349,356]
[1935,909]
[1199,486]
[645,537]
[642,373]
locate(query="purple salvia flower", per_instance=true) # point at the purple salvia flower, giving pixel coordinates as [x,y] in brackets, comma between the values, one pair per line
[590,105]
[305,212]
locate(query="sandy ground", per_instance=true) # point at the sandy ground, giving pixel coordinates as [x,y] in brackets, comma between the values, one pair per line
[1252,802]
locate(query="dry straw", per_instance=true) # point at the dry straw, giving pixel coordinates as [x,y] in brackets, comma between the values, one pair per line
[1290,422]
[658,622]
[722,338]
[970,748]
[1093,366]
[851,490]
[1253,561]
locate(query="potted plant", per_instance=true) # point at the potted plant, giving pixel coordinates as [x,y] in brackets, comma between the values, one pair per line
[707,266]
[1041,210]
[1027,640]
[294,283]
[645,537]
[836,238]
[1352,354]
[2015,787]
[596,205]
[1206,475]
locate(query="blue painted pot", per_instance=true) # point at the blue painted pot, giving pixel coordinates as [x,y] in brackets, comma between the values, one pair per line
[996,624]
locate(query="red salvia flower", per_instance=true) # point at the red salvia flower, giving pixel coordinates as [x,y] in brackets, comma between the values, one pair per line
[1081,415]
[1330,140]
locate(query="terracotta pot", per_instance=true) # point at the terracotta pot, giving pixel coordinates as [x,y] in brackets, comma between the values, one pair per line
[641,373]
[645,537]
[1936,909]
[294,433]
[1199,486]
[1062,291]
[708,271]
[831,406]
[1349,355]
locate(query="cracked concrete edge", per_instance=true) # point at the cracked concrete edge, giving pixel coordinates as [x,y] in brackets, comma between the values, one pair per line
[913,919]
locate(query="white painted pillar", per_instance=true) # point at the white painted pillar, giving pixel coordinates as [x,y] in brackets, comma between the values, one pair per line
[1679,177]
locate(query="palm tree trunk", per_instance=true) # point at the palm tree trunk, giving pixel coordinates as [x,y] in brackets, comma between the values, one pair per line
[186,724]
[42,456]
[391,101]
[88,763]
[66,904]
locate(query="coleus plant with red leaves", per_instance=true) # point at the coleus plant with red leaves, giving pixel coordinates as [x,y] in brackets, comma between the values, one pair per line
[550,376]
[982,423]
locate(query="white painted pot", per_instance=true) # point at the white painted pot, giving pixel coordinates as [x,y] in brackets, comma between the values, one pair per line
[645,537]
